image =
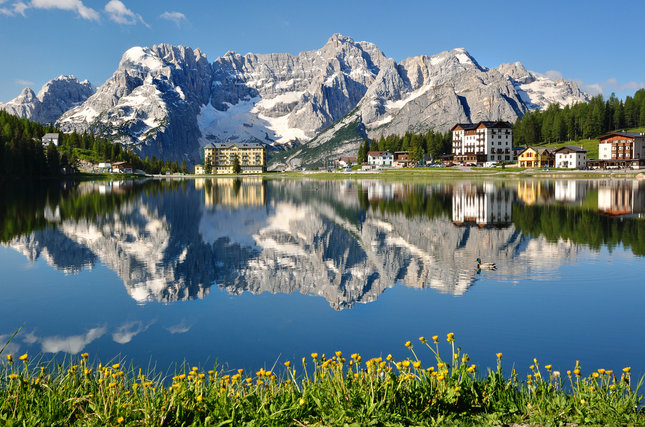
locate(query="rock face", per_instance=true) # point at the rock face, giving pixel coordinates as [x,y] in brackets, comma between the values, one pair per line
[151,102]
[54,98]
[169,101]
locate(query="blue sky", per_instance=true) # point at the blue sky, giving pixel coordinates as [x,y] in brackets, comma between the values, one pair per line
[597,43]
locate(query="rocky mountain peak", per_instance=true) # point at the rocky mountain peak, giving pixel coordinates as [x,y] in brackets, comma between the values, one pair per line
[27,95]
[170,100]
[515,71]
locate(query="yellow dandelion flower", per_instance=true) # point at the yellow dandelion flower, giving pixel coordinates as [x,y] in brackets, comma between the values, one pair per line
[120,420]
[200,398]
[626,370]
[416,364]
[576,371]
[435,338]
[406,363]
[609,372]
[601,371]
[211,372]
[23,357]
[116,366]
[547,367]
[10,357]
[389,357]
[339,354]
[13,376]
[595,374]
[302,401]
[450,337]
[499,356]
[287,364]
[85,355]
[456,389]
[195,369]
[422,339]
[314,356]
[408,344]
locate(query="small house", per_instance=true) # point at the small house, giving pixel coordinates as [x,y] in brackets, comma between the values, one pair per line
[51,138]
[536,157]
[380,158]
[571,158]
[345,162]
[122,167]
[199,169]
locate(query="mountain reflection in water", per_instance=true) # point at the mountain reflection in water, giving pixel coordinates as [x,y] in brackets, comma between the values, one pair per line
[346,241]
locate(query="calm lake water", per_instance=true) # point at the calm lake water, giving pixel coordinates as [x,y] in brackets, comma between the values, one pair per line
[249,273]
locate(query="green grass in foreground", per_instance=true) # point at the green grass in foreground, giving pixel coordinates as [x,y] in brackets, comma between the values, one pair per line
[324,390]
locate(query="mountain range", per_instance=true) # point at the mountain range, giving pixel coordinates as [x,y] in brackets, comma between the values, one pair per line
[170,101]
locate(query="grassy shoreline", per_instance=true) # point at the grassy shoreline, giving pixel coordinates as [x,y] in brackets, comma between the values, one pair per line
[323,390]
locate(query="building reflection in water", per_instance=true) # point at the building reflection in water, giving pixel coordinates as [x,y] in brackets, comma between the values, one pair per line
[621,198]
[233,192]
[570,191]
[484,205]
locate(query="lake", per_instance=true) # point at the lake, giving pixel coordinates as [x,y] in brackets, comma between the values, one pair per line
[250,272]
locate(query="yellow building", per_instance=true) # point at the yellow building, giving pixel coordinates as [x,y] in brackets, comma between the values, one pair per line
[536,157]
[199,169]
[252,157]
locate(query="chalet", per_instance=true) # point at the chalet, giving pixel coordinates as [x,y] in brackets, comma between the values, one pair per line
[380,158]
[486,141]
[402,159]
[51,138]
[122,167]
[536,157]
[622,150]
[199,169]
[344,162]
[571,158]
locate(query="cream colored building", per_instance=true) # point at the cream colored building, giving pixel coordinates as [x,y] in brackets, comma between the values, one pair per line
[199,169]
[252,157]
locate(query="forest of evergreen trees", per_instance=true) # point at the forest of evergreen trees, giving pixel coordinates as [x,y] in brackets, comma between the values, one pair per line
[580,121]
[22,153]
[433,143]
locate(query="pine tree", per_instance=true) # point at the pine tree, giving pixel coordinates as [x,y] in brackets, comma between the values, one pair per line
[237,168]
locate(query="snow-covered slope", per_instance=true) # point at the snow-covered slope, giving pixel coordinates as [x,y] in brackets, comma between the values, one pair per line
[539,91]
